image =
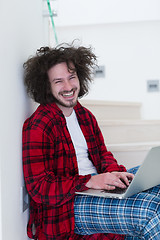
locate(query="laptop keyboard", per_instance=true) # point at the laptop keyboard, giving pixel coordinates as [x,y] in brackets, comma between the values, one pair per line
[116,190]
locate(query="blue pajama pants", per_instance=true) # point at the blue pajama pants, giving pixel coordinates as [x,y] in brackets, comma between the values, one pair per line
[137,217]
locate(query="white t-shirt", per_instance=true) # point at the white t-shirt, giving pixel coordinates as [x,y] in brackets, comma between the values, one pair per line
[85,166]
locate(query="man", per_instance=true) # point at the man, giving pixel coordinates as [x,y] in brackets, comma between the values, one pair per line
[64,152]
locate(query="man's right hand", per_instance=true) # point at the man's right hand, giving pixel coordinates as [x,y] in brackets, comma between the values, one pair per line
[109,180]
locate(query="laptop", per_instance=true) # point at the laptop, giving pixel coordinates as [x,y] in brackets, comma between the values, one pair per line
[147,176]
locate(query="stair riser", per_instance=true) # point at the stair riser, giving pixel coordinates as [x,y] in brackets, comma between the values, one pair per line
[130,159]
[104,110]
[131,133]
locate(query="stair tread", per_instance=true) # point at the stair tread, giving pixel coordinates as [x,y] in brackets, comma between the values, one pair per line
[133,146]
[110,103]
[128,122]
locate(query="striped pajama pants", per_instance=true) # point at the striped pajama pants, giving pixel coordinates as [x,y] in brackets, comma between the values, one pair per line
[137,217]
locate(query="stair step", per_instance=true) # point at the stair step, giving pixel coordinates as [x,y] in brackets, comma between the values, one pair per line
[105,110]
[128,131]
[131,154]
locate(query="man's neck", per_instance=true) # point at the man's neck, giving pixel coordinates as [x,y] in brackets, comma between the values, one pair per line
[67,111]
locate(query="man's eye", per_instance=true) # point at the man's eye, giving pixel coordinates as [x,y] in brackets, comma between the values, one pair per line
[72,77]
[59,81]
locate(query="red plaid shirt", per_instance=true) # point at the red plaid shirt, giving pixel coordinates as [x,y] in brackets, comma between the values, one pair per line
[51,171]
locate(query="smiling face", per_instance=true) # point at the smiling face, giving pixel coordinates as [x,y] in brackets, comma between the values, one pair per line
[65,87]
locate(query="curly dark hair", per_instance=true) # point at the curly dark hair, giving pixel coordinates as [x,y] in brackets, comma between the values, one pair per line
[36,68]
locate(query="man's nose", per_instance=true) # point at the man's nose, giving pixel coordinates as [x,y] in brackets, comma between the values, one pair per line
[67,85]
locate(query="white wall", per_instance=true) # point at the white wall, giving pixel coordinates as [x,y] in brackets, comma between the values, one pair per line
[21,34]
[126,39]
[0,207]
[82,12]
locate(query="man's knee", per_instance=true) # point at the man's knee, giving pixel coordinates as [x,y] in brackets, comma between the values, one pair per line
[152,228]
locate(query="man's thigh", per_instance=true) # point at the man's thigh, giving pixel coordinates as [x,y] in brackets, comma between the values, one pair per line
[121,216]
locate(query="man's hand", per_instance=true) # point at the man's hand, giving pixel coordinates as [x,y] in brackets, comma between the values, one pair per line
[109,180]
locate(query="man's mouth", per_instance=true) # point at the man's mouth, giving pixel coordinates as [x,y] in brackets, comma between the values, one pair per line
[68,94]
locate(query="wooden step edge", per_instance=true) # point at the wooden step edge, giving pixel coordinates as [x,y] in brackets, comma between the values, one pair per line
[109,103]
[128,122]
[130,147]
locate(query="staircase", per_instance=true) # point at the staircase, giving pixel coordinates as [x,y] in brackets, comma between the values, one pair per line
[126,135]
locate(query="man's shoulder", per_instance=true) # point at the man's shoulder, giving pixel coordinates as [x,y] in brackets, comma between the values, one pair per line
[41,117]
